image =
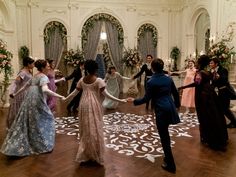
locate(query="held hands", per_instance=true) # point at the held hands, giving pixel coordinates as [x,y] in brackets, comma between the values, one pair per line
[123,100]
[217,76]
[130,99]
[180,88]
[63,98]
[62,79]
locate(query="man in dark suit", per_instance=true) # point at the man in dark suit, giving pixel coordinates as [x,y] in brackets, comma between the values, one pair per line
[76,75]
[146,68]
[221,81]
[161,88]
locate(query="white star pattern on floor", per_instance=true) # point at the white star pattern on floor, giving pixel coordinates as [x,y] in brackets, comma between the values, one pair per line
[130,134]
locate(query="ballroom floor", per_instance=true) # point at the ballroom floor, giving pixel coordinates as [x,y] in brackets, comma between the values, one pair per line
[132,149]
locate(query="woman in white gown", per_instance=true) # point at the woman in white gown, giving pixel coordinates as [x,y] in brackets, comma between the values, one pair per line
[113,80]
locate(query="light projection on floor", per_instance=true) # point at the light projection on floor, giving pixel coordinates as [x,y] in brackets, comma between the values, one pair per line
[131,134]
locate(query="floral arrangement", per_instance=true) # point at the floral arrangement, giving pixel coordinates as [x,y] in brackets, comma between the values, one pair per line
[73,58]
[221,49]
[148,27]
[131,58]
[5,63]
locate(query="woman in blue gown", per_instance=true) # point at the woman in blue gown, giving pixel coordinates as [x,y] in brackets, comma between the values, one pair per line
[33,129]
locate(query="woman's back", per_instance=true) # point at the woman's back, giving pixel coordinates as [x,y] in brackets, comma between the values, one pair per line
[91,121]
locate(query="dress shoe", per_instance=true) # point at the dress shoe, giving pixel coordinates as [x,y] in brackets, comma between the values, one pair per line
[231,125]
[168,168]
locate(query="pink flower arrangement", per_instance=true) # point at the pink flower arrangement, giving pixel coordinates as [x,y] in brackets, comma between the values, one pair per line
[131,58]
[221,51]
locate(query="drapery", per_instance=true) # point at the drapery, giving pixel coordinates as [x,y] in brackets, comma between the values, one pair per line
[90,49]
[146,46]
[54,47]
[114,46]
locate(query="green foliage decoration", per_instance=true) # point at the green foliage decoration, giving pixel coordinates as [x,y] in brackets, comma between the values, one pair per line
[148,27]
[101,17]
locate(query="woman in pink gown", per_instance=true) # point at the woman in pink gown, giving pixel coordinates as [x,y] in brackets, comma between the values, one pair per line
[91,143]
[188,94]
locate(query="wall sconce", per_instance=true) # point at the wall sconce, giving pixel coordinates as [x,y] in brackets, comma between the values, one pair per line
[212,39]
[202,53]
[232,58]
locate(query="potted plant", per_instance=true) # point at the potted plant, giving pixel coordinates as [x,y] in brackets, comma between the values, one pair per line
[174,54]
[23,52]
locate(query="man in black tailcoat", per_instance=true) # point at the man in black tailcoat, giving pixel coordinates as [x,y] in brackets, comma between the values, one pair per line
[221,82]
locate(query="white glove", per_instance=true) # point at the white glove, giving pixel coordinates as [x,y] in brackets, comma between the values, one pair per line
[49,92]
[108,95]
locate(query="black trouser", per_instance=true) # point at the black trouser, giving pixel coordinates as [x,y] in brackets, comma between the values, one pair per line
[225,102]
[74,104]
[145,86]
[162,127]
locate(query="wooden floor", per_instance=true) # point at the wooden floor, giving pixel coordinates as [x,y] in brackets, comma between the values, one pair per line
[192,158]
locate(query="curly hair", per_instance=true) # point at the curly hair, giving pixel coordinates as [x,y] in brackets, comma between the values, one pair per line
[203,62]
[40,64]
[90,66]
[27,61]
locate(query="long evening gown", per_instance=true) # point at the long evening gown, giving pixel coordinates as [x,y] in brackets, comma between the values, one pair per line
[188,94]
[113,87]
[91,144]
[213,130]
[16,102]
[33,130]
[51,100]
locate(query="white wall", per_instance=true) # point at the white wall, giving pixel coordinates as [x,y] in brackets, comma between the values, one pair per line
[8,29]
[22,22]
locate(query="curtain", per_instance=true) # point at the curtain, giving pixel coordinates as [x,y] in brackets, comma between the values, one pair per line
[90,49]
[54,48]
[146,46]
[114,46]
